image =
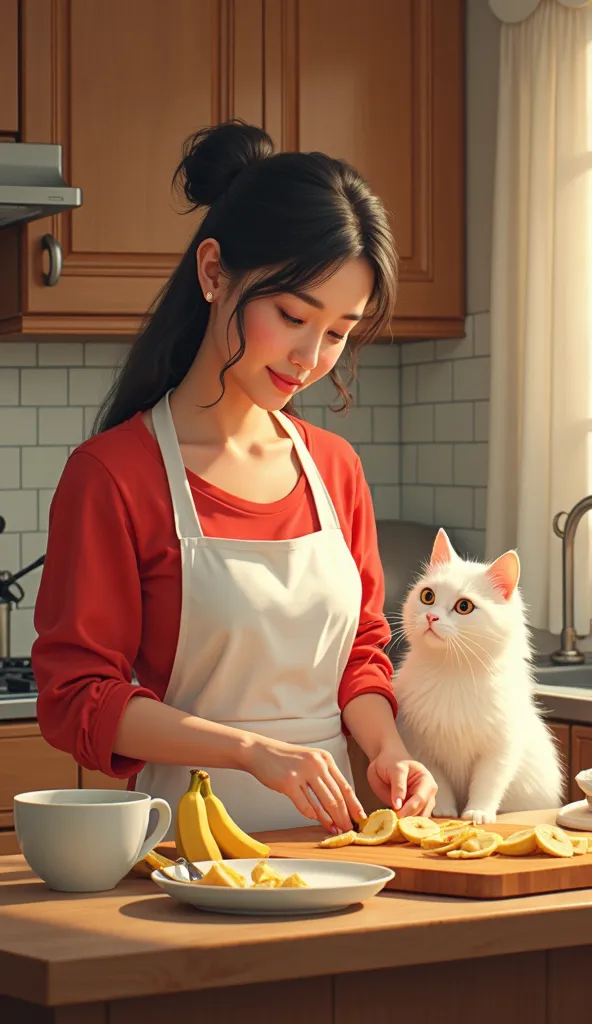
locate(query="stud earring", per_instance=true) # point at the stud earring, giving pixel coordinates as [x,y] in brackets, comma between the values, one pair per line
[209,296]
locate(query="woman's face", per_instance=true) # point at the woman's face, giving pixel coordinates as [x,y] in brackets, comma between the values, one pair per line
[292,340]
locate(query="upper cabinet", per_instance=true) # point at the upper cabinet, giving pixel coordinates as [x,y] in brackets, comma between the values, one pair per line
[9,119]
[120,85]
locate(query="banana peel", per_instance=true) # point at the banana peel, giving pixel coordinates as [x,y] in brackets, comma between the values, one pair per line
[231,839]
[193,835]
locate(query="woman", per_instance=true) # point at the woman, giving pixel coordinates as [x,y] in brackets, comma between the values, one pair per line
[218,547]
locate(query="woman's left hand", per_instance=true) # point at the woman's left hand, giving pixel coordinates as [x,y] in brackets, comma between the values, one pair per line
[406,786]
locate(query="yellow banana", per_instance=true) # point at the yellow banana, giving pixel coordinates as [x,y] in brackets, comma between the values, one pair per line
[152,861]
[230,838]
[193,836]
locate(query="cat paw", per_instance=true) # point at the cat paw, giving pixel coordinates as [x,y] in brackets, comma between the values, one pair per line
[478,817]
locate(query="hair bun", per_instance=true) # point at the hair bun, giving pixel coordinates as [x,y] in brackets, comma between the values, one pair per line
[213,157]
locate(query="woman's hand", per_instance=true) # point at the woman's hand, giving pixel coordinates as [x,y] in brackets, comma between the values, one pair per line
[405,785]
[310,778]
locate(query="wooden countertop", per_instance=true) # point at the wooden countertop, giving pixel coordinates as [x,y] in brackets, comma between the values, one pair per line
[60,948]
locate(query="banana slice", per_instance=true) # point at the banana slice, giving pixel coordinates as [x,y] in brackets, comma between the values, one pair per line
[218,875]
[379,828]
[334,842]
[580,845]
[416,828]
[477,847]
[553,840]
[294,882]
[453,843]
[519,844]
[262,872]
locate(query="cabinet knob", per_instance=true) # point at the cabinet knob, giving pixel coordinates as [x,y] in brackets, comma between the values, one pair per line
[51,245]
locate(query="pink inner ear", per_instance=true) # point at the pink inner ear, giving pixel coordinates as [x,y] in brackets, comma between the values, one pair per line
[442,550]
[505,573]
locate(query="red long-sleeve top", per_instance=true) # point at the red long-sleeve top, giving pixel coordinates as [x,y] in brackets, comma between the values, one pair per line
[110,596]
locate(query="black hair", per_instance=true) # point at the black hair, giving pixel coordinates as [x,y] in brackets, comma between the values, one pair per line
[296,217]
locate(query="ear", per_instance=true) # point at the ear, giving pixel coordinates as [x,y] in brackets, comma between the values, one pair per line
[505,573]
[442,550]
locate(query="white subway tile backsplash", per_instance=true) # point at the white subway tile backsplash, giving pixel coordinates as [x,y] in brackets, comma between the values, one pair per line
[434,464]
[19,509]
[380,355]
[409,385]
[88,386]
[481,421]
[454,506]
[482,329]
[378,386]
[314,414]
[434,382]
[10,549]
[90,414]
[457,348]
[454,421]
[386,501]
[42,467]
[385,423]
[9,387]
[470,464]
[61,353]
[471,379]
[45,498]
[44,386]
[105,353]
[18,353]
[22,632]
[417,423]
[18,426]
[10,469]
[380,462]
[60,426]
[417,503]
[409,463]
[322,393]
[480,507]
[355,426]
[417,352]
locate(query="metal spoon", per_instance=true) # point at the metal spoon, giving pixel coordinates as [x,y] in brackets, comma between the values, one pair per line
[194,873]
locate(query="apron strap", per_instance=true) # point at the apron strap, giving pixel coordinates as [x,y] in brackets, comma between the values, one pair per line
[186,519]
[327,516]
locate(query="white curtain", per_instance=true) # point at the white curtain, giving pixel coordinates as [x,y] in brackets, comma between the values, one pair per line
[540,458]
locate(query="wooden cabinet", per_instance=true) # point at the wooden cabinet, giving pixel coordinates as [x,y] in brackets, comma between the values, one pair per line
[27,763]
[120,85]
[9,63]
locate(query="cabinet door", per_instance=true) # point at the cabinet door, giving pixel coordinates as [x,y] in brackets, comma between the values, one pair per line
[120,86]
[27,762]
[381,86]
[562,737]
[581,756]
[9,120]
[96,780]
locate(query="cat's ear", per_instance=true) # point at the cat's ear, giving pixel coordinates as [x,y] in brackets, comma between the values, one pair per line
[442,551]
[505,573]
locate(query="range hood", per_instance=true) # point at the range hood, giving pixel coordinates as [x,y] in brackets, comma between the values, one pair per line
[31,183]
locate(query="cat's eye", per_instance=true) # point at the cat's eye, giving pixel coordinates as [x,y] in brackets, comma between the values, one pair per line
[464,606]
[427,596]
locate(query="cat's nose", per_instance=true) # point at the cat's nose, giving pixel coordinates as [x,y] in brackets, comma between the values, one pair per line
[432,618]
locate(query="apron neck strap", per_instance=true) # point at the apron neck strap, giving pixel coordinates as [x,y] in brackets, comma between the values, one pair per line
[327,516]
[187,522]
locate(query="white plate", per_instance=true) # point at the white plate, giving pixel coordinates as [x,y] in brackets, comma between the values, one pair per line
[331,885]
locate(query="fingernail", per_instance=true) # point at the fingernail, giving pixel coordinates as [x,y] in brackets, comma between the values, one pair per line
[334,830]
[398,805]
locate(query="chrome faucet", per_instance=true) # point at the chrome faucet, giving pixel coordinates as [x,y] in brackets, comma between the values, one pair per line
[568,653]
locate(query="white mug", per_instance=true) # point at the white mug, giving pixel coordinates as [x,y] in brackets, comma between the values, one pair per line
[86,840]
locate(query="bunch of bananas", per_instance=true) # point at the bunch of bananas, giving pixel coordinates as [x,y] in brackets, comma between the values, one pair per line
[204,829]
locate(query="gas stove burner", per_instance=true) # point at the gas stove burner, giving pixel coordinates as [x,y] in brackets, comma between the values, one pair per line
[16,676]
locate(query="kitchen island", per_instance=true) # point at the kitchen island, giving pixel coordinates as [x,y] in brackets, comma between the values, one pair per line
[133,955]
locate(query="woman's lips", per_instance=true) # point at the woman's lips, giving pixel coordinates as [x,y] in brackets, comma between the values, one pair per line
[284,385]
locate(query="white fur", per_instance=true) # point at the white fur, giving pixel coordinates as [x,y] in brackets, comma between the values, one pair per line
[467,709]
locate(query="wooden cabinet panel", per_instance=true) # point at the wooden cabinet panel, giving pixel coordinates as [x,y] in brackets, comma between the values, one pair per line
[562,736]
[27,762]
[97,780]
[9,62]
[120,86]
[395,111]
[581,756]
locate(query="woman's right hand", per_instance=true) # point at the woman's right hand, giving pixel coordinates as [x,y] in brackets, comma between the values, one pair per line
[303,774]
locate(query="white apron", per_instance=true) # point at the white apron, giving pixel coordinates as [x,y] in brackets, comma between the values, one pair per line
[267,627]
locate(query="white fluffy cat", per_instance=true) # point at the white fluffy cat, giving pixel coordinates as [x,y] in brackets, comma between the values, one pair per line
[465,690]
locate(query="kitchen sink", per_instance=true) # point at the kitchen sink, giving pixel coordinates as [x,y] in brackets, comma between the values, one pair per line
[549,674]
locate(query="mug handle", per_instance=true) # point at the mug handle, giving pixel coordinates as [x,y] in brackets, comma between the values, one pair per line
[165,816]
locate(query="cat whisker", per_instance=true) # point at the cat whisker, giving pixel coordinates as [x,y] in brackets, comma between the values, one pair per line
[473,653]
[486,636]
[460,651]
[468,638]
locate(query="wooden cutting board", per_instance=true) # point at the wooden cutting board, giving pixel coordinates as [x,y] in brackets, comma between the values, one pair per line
[494,877]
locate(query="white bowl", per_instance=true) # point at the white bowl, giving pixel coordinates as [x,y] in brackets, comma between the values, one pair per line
[331,885]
